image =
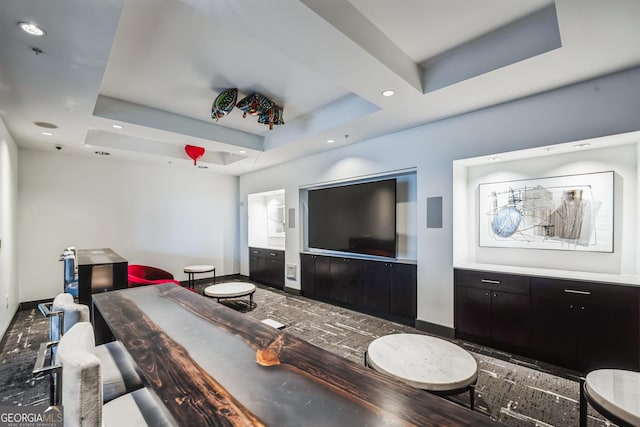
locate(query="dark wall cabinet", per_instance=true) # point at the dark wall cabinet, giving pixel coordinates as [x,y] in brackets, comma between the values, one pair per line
[586,325]
[384,289]
[576,324]
[266,266]
[493,307]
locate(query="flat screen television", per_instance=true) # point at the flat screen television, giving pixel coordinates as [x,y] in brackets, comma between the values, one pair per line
[357,218]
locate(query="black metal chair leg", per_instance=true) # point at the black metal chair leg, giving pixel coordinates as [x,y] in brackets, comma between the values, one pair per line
[472,396]
[583,404]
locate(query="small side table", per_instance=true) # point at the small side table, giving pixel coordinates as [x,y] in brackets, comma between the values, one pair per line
[614,393]
[192,270]
[231,290]
[432,364]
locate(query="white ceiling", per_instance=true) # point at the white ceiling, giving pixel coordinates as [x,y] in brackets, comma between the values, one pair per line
[155,67]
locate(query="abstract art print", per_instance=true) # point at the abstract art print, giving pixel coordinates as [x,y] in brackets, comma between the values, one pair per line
[572,212]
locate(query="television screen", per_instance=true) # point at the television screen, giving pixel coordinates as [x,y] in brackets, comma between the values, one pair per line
[358,218]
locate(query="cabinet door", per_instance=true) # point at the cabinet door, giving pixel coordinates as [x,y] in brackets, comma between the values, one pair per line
[555,330]
[402,291]
[608,336]
[308,275]
[346,283]
[510,314]
[255,256]
[376,286]
[323,277]
[473,311]
[274,268]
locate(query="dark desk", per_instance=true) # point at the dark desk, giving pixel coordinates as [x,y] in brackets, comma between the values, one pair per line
[211,365]
[100,270]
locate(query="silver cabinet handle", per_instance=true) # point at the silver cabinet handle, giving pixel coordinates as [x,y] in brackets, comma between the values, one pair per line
[493,282]
[272,254]
[572,291]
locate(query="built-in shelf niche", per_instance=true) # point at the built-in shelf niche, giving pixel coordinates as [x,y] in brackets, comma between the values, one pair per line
[619,153]
[267,219]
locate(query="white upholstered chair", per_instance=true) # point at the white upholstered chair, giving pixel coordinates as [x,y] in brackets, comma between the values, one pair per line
[82,397]
[119,374]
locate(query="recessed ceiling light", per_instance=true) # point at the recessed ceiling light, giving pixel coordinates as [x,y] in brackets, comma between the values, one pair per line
[31,28]
[242,151]
[493,159]
[46,125]
[117,126]
[103,153]
[582,145]
[388,92]
[47,133]
[330,141]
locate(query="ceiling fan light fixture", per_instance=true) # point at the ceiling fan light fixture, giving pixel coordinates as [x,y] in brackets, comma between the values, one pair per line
[31,28]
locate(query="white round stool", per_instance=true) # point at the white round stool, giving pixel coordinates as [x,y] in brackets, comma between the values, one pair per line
[231,290]
[425,362]
[192,270]
[614,393]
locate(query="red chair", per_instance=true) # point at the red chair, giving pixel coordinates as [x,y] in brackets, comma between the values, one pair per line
[140,275]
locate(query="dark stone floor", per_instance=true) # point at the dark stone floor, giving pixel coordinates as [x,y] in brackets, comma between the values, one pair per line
[514,391]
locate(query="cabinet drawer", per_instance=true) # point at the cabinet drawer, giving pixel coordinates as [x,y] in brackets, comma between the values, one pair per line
[588,292]
[255,252]
[494,281]
[273,254]
[266,253]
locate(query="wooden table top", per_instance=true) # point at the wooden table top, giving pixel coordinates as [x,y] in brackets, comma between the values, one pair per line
[211,365]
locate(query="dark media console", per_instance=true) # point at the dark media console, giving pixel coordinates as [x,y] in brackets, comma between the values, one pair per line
[577,324]
[384,289]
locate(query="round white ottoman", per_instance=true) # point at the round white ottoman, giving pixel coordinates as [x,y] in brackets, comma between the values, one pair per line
[231,290]
[425,362]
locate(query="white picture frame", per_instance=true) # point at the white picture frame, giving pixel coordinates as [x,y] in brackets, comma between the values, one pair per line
[570,212]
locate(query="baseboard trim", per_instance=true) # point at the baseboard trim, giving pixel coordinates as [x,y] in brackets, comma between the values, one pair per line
[30,305]
[435,329]
[293,291]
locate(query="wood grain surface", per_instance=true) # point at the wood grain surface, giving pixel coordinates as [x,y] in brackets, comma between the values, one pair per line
[197,399]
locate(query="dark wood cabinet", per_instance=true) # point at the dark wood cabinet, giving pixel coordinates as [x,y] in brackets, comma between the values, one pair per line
[384,289]
[376,293]
[493,307]
[576,324]
[346,281]
[315,276]
[585,325]
[473,311]
[266,266]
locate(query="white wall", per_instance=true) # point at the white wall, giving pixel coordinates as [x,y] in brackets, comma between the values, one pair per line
[8,228]
[155,215]
[603,106]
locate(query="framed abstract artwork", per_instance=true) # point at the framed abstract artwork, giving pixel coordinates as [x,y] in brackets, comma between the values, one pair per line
[571,212]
